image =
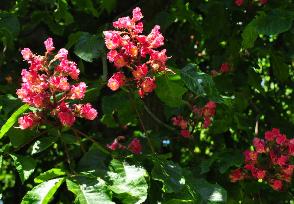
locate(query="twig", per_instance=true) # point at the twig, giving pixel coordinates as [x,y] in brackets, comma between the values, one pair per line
[154,117]
[104,67]
[100,147]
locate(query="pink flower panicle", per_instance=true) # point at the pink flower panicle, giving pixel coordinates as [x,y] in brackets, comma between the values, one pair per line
[134,146]
[270,161]
[49,89]
[131,51]
[206,112]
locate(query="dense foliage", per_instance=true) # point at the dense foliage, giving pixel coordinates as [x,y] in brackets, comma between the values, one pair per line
[150,101]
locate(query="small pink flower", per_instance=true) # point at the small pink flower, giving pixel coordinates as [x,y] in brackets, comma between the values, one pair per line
[59,83]
[281,139]
[259,145]
[260,174]
[276,184]
[88,112]
[62,54]
[225,67]
[250,156]
[137,15]
[185,133]
[112,39]
[66,118]
[28,121]
[123,23]
[135,146]
[148,85]
[26,54]
[116,81]
[49,45]
[119,61]
[237,175]
[269,136]
[111,55]
[78,91]
[239,2]
[155,38]
[140,72]
[282,160]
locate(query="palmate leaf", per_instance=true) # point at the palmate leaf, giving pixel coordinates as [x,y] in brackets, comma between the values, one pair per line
[42,193]
[128,182]
[200,83]
[42,144]
[13,118]
[88,46]
[170,91]
[89,190]
[24,165]
[170,174]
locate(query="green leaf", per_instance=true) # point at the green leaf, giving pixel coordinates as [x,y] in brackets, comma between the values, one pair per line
[10,22]
[128,182]
[249,35]
[42,193]
[212,193]
[1,161]
[89,191]
[13,118]
[50,174]
[275,22]
[179,201]
[202,191]
[200,83]
[43,143]
[125,112]
[170,91]
[170,174]
[108,5]
[89,47]
[280,68]
[24,165]
[62,14]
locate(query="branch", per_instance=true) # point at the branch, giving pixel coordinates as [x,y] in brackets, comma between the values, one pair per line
[154,117]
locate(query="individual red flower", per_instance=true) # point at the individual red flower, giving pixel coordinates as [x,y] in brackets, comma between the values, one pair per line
[49,45]
[29,120]
[259,145]
[225,67]
[116,81]
[135,146]
[237,175]
[250,156]
[281,139]
[276,184]
[239,2]
[88,112]
[148,85]
[185,133]
[78,91]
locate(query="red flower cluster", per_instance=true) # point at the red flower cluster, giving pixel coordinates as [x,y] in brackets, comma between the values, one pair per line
[136,52]
[46,86]
[270,161]
[207,112]
[180,122]
[134,146]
